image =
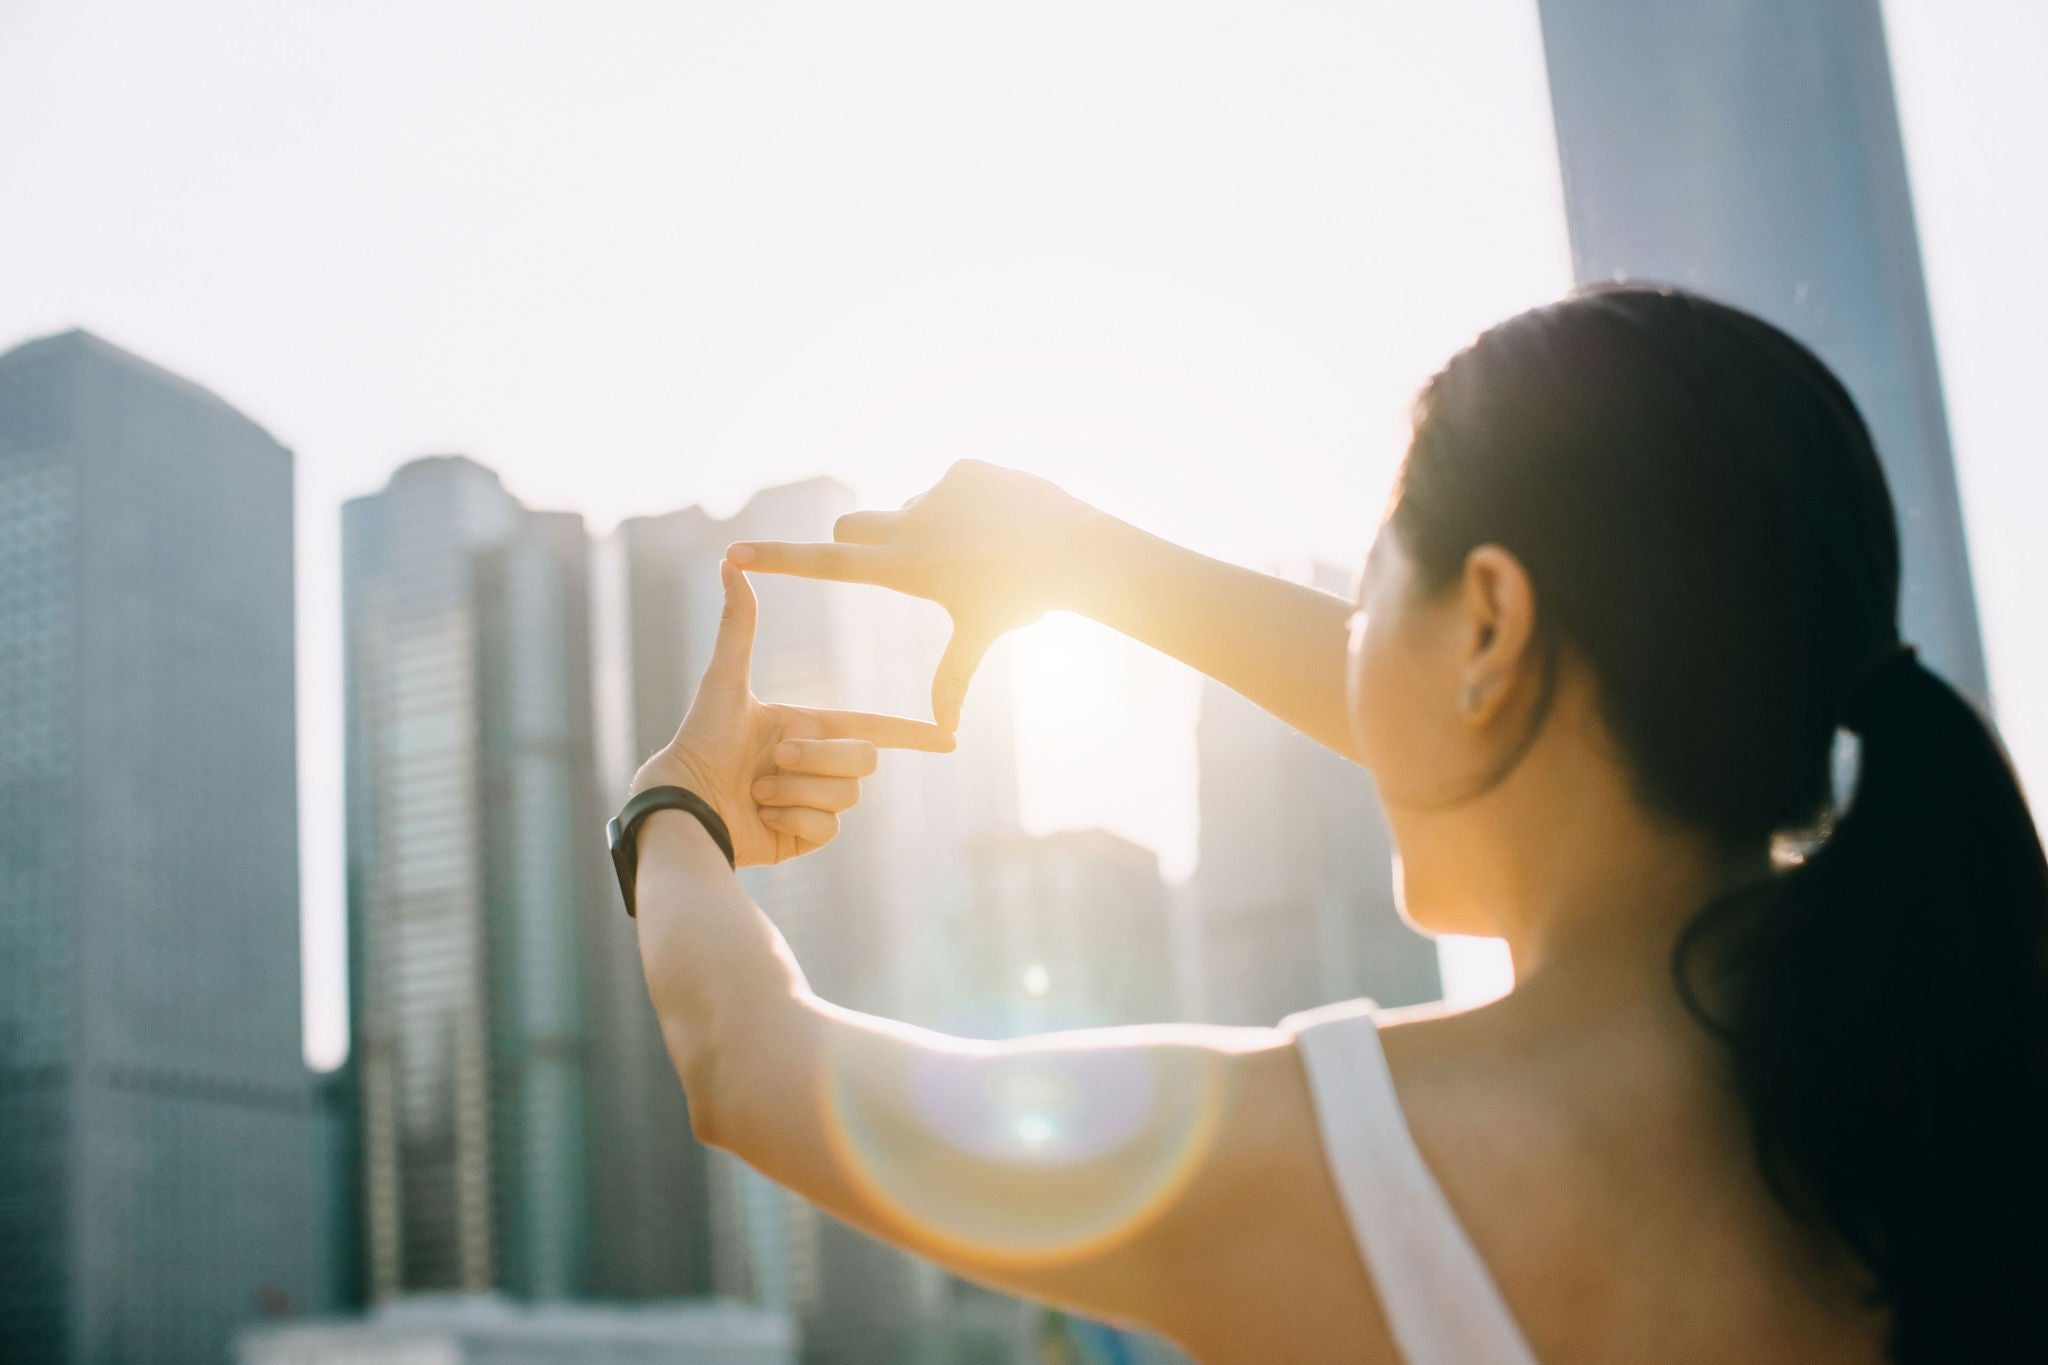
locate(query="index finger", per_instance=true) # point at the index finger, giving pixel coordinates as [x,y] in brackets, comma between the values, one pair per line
[887,732]
[814,559]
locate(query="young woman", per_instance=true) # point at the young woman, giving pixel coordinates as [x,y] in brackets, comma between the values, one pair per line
[1771,1084]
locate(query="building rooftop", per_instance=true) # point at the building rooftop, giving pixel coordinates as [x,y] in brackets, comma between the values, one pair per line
[79,342]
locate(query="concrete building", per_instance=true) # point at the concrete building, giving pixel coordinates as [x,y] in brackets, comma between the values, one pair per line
[490,1330]
[158,1173]
[863,915]
[475,880]
[1294,871]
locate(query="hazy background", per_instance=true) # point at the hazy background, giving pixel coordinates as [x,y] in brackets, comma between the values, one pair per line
[1187,260]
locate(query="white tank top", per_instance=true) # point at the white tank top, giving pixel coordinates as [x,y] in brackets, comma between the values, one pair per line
[1440,1302]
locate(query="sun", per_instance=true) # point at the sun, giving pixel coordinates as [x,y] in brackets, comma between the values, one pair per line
[1105,733]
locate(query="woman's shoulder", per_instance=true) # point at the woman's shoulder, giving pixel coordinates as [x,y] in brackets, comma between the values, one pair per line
[1608,1182]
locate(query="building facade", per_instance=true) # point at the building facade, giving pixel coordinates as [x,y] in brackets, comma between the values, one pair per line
[158,1164]
[1063,931]
[475,882]
[1293,884]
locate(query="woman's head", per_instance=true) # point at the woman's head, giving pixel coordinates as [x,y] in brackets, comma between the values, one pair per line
[1673,513]
[1659,522]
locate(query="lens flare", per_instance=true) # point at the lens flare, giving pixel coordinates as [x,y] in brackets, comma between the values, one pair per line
[1031,1156]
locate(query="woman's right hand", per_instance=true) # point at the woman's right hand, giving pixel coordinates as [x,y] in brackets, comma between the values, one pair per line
[995,547]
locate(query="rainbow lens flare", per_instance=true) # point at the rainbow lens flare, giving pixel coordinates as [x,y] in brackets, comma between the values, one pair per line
[1027,1156]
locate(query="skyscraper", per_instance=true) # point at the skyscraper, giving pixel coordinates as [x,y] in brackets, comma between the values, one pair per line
[862,915]
[1294,871]
[475,881]
[158,1177]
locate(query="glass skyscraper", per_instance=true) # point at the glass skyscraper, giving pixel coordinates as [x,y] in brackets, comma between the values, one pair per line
[158,1174]
[476,876]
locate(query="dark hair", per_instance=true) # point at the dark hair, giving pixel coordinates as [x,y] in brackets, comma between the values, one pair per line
[1701,511]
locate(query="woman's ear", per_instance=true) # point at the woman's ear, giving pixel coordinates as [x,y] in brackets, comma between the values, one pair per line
[1498,603]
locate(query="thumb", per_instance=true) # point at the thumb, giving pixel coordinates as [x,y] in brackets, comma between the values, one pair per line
[732,656]
[956,668]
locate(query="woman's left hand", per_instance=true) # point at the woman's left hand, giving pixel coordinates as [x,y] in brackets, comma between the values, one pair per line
[777,775]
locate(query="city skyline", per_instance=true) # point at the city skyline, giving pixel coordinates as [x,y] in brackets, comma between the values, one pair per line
[494,986]
[746,248]
[486,673]
[760,246]
[693,252]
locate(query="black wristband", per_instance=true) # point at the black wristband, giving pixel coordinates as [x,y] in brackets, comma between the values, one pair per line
[622,831]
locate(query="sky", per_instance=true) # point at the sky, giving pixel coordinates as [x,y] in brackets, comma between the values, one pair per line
[1189,261]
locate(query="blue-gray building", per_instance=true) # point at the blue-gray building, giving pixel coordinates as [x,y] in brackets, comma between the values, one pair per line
[158,1179]
[476,874]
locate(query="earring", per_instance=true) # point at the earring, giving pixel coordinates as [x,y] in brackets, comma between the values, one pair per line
[1468,696]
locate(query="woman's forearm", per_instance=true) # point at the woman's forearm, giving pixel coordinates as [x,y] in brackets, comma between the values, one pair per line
[714,962]
[1279,644]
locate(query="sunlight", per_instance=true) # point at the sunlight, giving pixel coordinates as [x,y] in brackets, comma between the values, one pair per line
[1086,701]
[1475,970]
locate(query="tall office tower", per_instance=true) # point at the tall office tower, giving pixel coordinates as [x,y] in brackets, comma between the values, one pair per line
[158,1177]
[1799,210]
[862,915]
[1063,931]
[1294,871]
[475,879]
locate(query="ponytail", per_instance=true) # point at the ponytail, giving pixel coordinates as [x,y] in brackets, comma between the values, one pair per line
[1885,1005]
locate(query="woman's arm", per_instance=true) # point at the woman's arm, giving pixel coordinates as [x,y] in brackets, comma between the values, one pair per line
[1164,1176]
[1279,644]
[998,548]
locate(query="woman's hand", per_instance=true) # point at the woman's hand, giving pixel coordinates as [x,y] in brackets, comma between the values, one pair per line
[995,547]
[777,775]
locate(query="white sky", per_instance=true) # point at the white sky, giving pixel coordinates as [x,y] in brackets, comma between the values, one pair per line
[1188,260]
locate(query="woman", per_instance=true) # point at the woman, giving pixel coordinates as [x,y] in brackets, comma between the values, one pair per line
[1771,1082]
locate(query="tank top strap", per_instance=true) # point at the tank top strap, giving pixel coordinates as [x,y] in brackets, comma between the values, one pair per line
[1441,1303]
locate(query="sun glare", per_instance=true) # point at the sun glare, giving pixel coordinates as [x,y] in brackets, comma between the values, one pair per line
[1085,699]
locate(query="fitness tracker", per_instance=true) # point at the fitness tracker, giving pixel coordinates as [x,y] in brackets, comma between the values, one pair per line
[624,826]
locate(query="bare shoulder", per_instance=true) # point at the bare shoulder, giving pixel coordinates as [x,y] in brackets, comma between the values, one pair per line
[1271,1272]
[1606,1179]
